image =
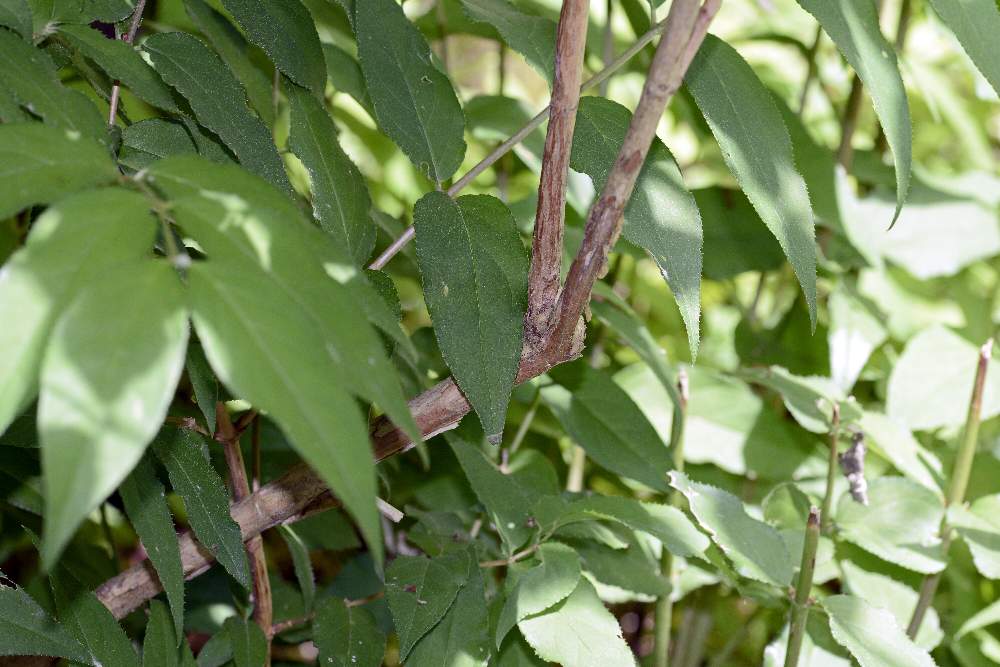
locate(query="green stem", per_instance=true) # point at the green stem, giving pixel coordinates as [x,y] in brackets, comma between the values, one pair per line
[800,607]
[831,471]
[960,473]
[665,604]
[811,71]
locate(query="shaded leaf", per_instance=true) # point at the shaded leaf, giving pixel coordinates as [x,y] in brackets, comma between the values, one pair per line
[203,383]
[25,629]
[90,621]
[890,439]
[979,526]
[155,138]
[975,22]
[736,239]
[474,271]
[872,635]
[346,76]
[16,15]
[347,636]
[810,399]
[551,581]
[534,37]
[159,646]
[301,563]
[248,642]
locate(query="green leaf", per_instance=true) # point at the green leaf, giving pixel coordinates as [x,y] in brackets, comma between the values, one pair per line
[758,150]
[415,104]
[461,638]
[30,76]
[853,26]
[474,271]
[899,599]
[508,505]
[217,651]
[347,636]
[159,647]
[340,195]
[667,524]
[533,37]
[121,61]
[855,332]
[248,642]
[421,590]
[302,564]
[153,139]
[146,506]
[25,629]
[235,52]
[979,526]
[203,382]
[736,239]
[69,245]
[107,11]
[931,382]
[16,15]
[755,548]
[975,22]
[205,498]
[41,164]
[890,439]
[810,399]
[107,379]
[218,101]
[346,76]
[90,621]
[988,615]
[601,418]
[578,631]
[872,635]
[661,216]
[285,31]
[544,585]
[900,524]
[634,569]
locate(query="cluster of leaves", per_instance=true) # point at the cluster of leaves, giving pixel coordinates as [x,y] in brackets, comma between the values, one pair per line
[204,259]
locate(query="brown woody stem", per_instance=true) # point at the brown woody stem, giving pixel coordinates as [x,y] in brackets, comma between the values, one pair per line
[128,37]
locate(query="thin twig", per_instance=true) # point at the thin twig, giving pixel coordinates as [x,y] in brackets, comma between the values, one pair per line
[811,68]
[133,28]
[800,605]
[503,562]
[959,483]
[831,471]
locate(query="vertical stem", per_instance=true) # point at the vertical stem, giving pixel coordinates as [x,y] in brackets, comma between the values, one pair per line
[831,471]
[608,46]
[133,28]
[525,425]
[800,607]
[664,606]
[109,536]
[442,19]
[961,471]
[849,123]
[574,479]
[811,71]
[255,448]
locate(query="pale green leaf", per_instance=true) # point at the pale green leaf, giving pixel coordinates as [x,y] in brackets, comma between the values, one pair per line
[347,636]
[159,646]
[988,615]
[146,505]
[218,100]
[979,526]
[855,332]
[899,524]
[853,25]
[421,590]
[120,61]
[976,24]
[39,164]
[302,564]
[931,382]
[474,271]
[537,589]
[601,418]
[661,215]
[634,570]
[897,598]
[340,195]
[107,378]
[25,629]
[205,498]
[755,548]
[810,399]
[30,76]
[890,439]
[414,101]
[248,642]
[872,635]
[90,621]
[534,37]
[578,631]
[758,150]
[285,31]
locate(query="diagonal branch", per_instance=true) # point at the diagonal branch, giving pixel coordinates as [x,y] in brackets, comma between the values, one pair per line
[128,38]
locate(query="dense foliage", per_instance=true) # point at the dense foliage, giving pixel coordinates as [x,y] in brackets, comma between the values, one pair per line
[231,402]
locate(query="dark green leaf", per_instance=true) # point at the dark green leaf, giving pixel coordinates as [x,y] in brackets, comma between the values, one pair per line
[533,37]
[346,76]
[661,216]
[544,585]
[871,634]
[235,52]
[120,61]
[347,636]
[602,419]
[107,379]
[755,548]
[90,621]
[248,642]
[146,506]
[203,382]
[853,26]
[735,237]
[31,77]
[758,150]
[340,195]
[153,139]
[41,164]
[205,498]
[25,629]
[285,31]
[16,15]
[70,244]
[301,563]
[415,103]
[975,23]
[217,651]
[474,270]
[218,100]
[159,647]
[420,591]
